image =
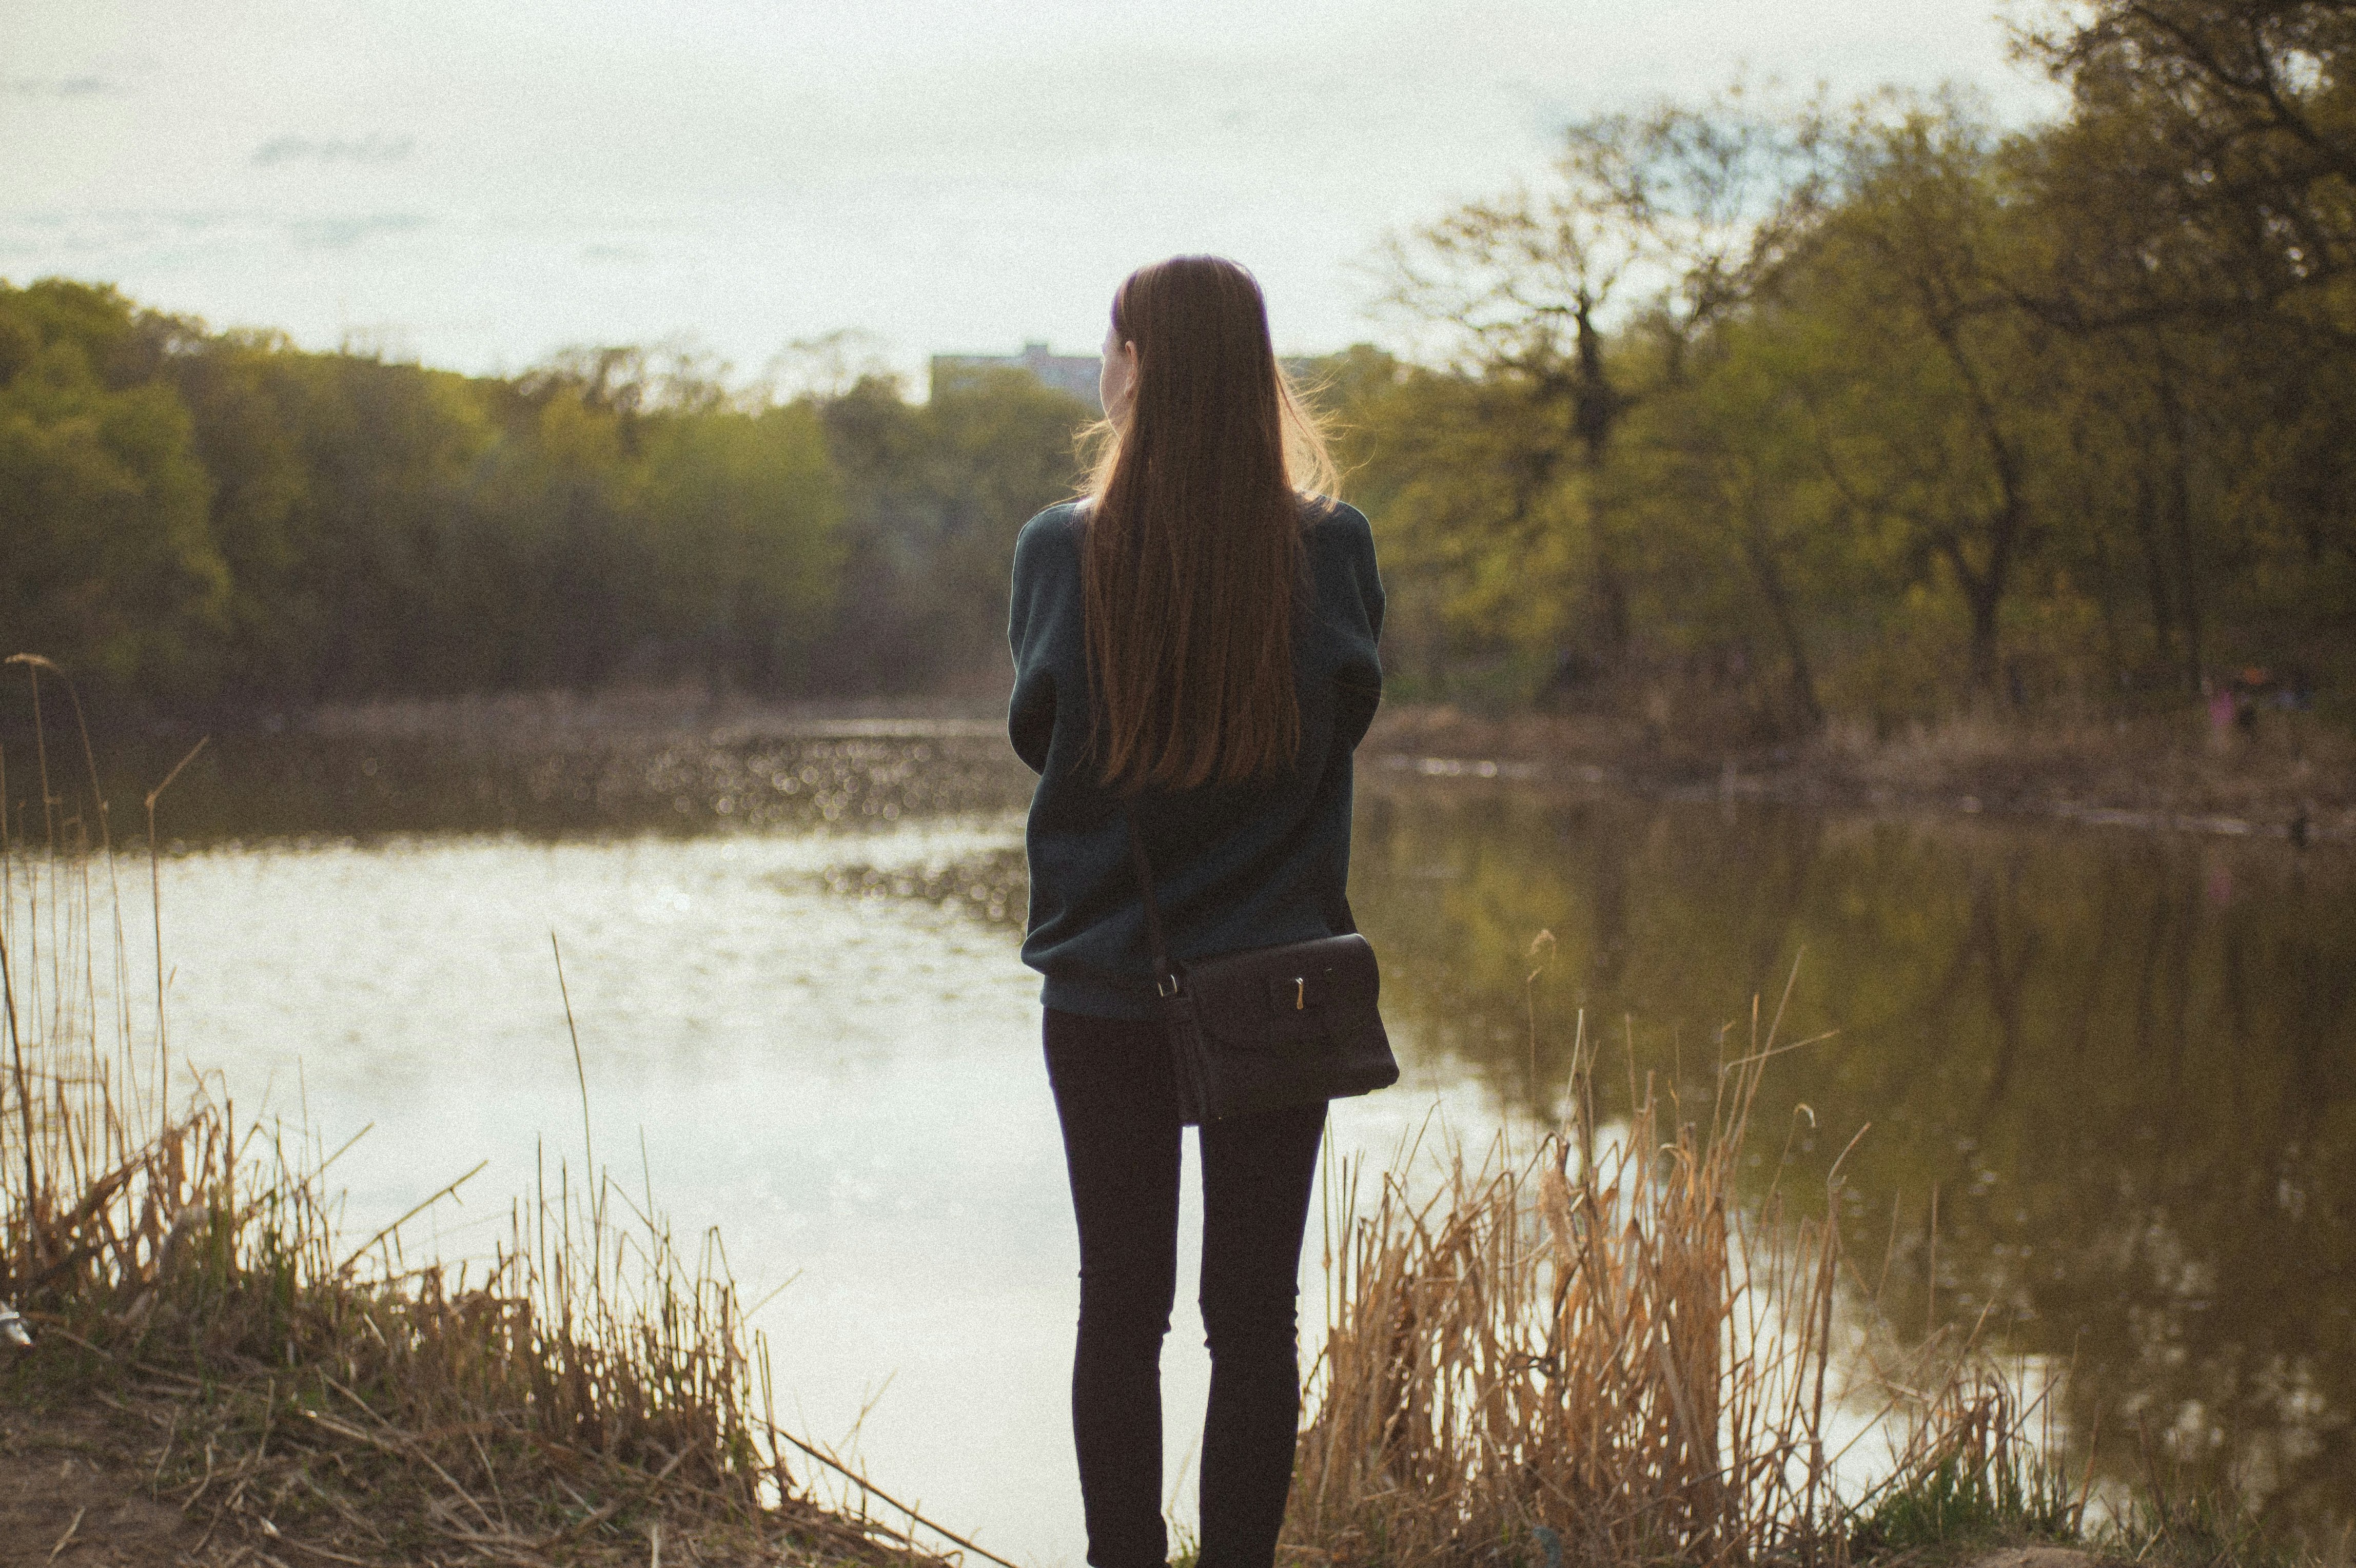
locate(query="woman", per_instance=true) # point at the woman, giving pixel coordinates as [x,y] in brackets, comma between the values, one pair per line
[1194,643]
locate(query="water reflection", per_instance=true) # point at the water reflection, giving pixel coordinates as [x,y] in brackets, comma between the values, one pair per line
[991,886]
[2123,1066]
[551,785]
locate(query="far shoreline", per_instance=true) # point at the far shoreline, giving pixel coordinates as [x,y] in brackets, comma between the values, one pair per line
[2159,774]
[2287,778]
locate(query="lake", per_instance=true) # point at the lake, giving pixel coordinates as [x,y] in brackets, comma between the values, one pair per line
[2108,1077]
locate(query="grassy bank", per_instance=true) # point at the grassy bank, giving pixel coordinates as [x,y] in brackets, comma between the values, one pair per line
[586,1391]
[208,1339]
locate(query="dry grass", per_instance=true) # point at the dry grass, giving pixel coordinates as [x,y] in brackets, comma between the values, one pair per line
[588,1393]
[1601,1356]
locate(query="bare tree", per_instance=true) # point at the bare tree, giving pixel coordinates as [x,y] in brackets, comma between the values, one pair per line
[1587,292]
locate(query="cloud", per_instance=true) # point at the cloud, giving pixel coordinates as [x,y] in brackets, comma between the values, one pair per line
[332,150]
[57,86]
[336,233]
[612,253]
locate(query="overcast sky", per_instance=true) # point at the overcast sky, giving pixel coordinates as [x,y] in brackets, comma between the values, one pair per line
[478,182]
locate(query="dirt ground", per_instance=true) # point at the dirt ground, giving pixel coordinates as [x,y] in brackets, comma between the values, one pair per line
[2034,1557]
[72,1492]
[76,1491]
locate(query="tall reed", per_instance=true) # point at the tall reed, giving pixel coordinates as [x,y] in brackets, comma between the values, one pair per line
[1601,1354]
[1587,1344]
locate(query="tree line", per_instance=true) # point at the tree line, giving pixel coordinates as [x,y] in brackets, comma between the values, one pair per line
[1791,410]
[197,518]
[1763,413]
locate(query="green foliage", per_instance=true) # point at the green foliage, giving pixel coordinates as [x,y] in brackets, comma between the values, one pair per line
[107,552]
[746,547]
[1889,414]
[2195,1528]
[934,496]
[1968,1498]
[1476,522]
[199,517]
[1767,416]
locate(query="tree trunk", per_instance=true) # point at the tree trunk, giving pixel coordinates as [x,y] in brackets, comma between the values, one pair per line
[1984,589]
[2188,550]
[1985,654]
[2163,610]
[2179,520]
[1596,408]
[1787,626]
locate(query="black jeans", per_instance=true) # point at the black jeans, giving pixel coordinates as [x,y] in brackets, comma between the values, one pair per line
[1116,1098]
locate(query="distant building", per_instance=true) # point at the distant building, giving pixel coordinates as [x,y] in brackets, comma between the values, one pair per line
[1072,373]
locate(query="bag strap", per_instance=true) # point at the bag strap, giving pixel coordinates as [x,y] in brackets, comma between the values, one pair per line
[1166,980]
[1166,975]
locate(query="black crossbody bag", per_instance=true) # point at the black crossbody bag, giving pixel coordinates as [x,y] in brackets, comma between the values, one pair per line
[1267,1027]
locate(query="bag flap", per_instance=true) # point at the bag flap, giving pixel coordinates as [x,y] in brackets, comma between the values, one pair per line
[1278,995]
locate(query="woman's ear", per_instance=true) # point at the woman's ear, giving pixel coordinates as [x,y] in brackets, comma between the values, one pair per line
[1118,382]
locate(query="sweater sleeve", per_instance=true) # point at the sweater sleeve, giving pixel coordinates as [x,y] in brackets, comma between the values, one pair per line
[1370,584]
[1358,677]
[1031,712]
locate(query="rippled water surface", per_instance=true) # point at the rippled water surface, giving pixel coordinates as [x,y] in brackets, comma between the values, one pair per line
[2118,1068]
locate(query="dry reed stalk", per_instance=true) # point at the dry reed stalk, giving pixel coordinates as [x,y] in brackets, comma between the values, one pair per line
[1599,1354]
[1590,1344]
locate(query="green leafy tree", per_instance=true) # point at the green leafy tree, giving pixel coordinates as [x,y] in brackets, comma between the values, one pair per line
[2221,135]
[1669,220]
[107,563]
[1931,388]
[934,495]
[395,455]
[743,512]
[2198,209]
[1479,527]
[237,393]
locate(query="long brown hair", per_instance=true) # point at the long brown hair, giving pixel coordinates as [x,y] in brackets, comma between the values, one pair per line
[1194,556]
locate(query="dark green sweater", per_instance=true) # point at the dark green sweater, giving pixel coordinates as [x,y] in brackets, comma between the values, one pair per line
[1236,865]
